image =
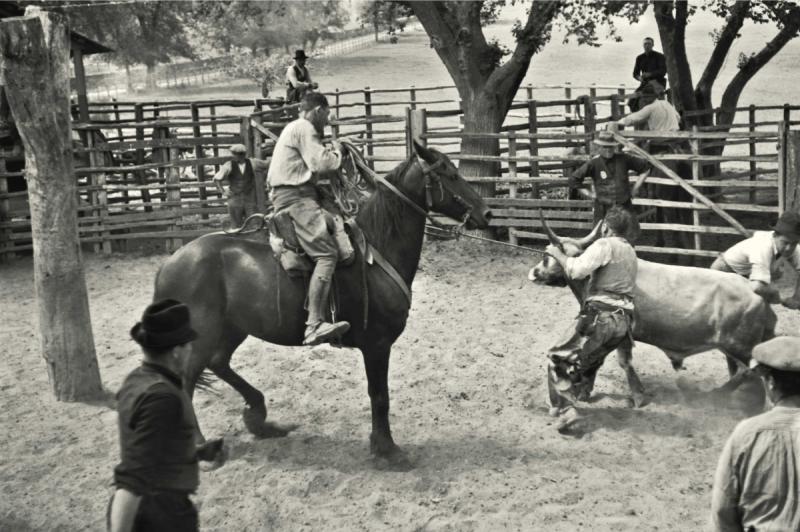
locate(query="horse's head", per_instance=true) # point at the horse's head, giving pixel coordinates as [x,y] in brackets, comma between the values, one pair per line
[446,192]
[549,271]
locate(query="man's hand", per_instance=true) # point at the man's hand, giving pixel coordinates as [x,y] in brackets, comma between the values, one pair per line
[213,451]
[337,146]
[314,85]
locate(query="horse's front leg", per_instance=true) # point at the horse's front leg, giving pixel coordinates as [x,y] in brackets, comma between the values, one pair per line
[381,444]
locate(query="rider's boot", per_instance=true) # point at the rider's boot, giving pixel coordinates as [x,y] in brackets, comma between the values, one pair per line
[317,329]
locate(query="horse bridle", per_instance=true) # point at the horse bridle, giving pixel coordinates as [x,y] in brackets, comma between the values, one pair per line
[431,179]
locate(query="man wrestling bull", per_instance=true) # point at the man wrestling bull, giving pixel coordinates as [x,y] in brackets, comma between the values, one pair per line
[606,317]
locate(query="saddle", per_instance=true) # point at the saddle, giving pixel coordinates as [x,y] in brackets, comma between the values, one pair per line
[289,252]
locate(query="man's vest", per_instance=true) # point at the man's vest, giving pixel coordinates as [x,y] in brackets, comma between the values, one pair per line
[295,94]
[618,277]
[241,183]
[177,468]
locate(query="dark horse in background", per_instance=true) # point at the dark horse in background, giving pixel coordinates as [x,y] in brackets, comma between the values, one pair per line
[235,288]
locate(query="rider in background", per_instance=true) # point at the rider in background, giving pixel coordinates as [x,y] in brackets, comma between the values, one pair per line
[657,115]
[298,80]
[650,65]
[298,156]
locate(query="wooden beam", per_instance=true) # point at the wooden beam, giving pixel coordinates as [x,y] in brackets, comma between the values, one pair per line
[682,182]
[35,67]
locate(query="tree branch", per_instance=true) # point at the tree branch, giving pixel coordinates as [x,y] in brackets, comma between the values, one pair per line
[734,89]
[723,45]
[530,39]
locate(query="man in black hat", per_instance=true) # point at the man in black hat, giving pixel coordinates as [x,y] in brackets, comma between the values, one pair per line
[758,474]
[298,80]
[157,428]
[759,259]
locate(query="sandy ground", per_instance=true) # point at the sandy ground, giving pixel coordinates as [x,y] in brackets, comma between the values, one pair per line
[467,383]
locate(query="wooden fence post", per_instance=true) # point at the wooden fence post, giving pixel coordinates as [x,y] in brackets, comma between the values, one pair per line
[696,175]
[212,110]
[593,95]
[616,112]
[791,171]
[416,128]
[173,196]
[751,115]
[588,121]
[335,127]
[199,169]
[36,48]
[6,244]
[412,95]
[98,198]
[787,116]
[138,112]
[260,184]
[568,96]
[533,142]
[368,127]
[512,174]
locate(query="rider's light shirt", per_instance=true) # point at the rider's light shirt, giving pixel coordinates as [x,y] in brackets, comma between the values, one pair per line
[659,115]
[299,153]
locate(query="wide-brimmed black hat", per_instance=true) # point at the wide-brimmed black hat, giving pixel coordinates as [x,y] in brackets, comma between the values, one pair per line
[789,225]
[164,324]
[300,54]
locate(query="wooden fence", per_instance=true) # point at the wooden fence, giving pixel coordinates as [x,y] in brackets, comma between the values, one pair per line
[144,168]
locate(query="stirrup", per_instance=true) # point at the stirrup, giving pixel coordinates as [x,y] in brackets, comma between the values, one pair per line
[324,332]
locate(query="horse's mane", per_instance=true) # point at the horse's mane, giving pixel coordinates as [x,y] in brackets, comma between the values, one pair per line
[382,215]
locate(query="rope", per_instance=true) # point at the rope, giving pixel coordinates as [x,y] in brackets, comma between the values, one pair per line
[354,181]
[445,233]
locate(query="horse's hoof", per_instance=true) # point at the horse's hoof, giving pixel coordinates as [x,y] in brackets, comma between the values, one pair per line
[638,400]
[254,418]
[273,430]
[395,460]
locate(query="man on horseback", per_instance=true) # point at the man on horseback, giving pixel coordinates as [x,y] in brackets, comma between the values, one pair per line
[605,320]
[298,80]
[298,156]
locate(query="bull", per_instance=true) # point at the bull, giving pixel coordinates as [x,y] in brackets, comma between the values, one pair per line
[681,310]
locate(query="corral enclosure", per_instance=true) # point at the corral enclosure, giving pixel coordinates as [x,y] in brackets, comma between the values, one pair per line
[145,167]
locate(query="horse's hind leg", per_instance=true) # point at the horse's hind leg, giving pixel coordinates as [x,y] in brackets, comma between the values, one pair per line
[255,413]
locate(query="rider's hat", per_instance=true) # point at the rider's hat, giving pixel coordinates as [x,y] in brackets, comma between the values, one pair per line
[300,54]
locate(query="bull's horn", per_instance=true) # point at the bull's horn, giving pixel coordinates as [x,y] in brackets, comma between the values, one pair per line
[554,239]
[591,237]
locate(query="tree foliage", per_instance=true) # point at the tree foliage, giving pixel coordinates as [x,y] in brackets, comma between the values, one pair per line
[385,15]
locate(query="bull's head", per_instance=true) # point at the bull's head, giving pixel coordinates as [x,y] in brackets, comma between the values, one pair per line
[549,271]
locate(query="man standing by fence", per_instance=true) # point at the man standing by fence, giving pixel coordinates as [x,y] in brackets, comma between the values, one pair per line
[298,80]
[243,175]
[609,174]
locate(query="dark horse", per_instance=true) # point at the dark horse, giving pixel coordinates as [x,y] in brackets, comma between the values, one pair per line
[235,288]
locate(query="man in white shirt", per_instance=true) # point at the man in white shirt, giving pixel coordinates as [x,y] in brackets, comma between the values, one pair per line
[757,483]
[659,115]
[298,80]
[759,258]
[240,173]
[298,156]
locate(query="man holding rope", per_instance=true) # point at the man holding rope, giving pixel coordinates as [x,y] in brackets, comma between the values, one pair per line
[298,156]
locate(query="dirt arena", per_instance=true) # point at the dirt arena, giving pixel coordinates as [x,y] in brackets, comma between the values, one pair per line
[468,392]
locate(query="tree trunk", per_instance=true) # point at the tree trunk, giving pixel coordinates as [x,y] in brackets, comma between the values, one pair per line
[150,77]
[35,67]
[128,78]
[482,114]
